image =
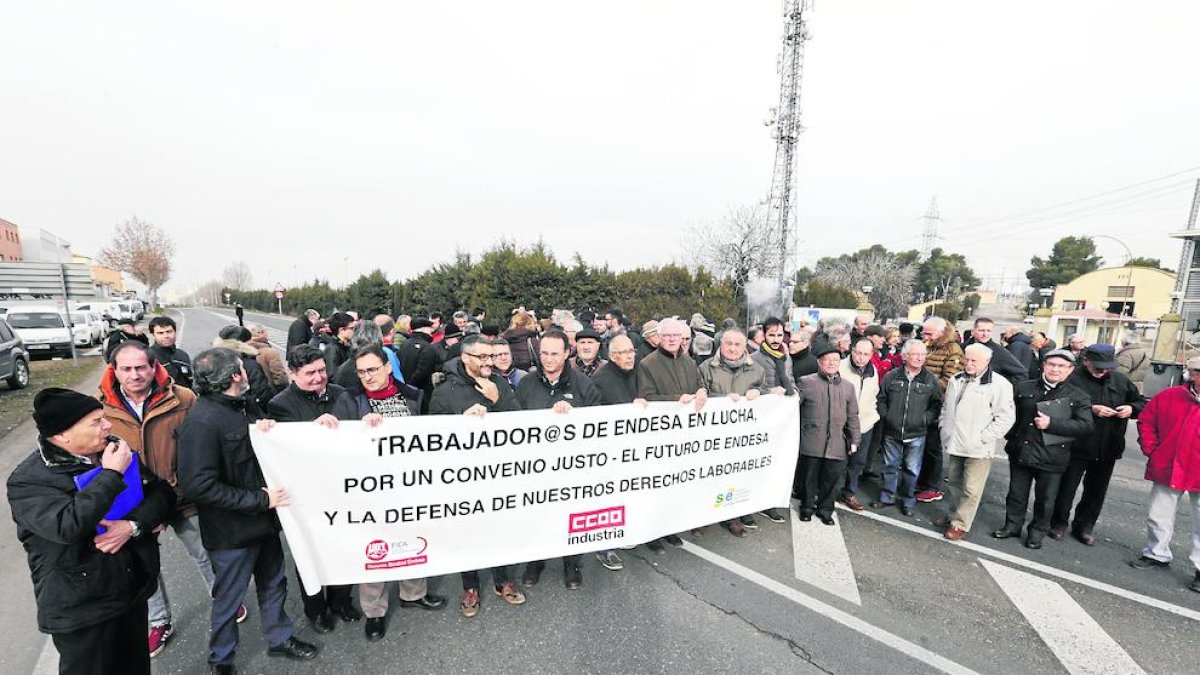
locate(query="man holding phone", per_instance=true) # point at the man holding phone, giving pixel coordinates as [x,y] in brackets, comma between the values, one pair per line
[93,567]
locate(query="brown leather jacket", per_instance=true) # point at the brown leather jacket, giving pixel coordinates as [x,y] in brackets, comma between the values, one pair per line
[272,364]
[153,438]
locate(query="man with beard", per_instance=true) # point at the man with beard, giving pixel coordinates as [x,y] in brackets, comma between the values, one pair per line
[472,388]
[774,359]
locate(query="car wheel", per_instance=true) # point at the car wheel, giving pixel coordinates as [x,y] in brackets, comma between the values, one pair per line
[20,375]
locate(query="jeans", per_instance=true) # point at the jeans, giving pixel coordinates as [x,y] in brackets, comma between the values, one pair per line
[1160,524]
[858,463]
[968,478]
[188,531]
[894,450]
[233,569]
[1095,476]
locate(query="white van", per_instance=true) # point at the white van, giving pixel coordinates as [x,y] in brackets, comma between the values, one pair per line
[43,328]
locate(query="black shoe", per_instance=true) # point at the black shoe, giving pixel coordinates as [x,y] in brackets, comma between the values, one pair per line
[1033,542]
[322,623]
[773,515]
[871,475]
[673,540]
[347,613]
[1195,585]
[825,519]
[375,629]
[1005,533]
[223,669]
[294,649]
[748,522]
[805,516]
[428,601]
[881,505]
[656,546]
[533,574]
[572,577]
[1144,563]
[906,511]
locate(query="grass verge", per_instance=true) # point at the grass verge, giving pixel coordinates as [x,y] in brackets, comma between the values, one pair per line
[16,406]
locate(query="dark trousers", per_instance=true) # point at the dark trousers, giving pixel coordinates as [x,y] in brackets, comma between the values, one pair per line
[116,647]
[1045,489]
[857,463]
[932,464]
[820,481]
[233,569]
[500,575]
[568,561]
[328,597]
[1095,476]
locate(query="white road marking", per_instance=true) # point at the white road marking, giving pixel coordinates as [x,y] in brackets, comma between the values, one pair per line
[47,663]
[276,337]
[821,558]
[829,611]
[1037,567]
[1068,630]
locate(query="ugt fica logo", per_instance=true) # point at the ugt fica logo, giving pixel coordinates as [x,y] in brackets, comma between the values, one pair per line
[382,555]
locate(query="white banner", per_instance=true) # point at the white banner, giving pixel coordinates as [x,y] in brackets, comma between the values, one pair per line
[426,496]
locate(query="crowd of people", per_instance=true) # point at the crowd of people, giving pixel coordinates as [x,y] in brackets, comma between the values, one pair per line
[889,416]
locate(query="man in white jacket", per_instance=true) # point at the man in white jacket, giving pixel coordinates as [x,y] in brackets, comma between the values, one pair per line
[858,370]
[977,412]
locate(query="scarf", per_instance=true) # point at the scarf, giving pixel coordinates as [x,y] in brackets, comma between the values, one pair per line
[387,392]
[766,349]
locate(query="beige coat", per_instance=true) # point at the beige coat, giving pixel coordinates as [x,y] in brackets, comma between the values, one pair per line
[976,415]
[868,391]
[272,364]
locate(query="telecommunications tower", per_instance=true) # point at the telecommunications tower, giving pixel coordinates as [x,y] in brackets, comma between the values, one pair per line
[786,132]
[929,233]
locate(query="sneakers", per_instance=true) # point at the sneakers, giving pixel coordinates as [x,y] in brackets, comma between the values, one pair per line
[469,604]
[610,560]
[927,496]
[1144,563]
[511,594]
[773,515]
[158,638]
[242,614]
[748,522]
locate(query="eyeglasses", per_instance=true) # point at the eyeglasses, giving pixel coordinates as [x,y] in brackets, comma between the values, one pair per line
[621,352]
[481,357]
[369,372]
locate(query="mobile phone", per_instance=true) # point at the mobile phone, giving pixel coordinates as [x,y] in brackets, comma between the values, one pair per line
[112,439]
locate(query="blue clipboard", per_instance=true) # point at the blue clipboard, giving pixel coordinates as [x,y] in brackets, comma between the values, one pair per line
[127,499]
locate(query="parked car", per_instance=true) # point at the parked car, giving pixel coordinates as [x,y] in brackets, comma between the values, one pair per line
[14,360]
[86,328]
[138,309]
[42,328]
[98,311]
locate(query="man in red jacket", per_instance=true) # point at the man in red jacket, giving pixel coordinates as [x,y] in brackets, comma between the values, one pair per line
[1170,438]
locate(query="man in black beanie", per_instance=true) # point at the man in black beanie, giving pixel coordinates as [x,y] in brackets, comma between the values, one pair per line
[91,588]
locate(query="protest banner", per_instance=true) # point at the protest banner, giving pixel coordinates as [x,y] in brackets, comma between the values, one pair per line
[425,496]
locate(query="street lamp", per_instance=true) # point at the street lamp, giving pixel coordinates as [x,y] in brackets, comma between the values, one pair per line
[1033,307]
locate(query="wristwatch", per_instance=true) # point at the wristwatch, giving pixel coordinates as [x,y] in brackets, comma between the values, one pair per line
[136,529]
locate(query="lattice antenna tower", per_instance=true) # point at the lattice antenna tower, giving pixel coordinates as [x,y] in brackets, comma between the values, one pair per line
[786,133]
[929,231]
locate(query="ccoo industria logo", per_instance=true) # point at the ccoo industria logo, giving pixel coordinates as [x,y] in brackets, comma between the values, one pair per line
[383,555]
[599,525]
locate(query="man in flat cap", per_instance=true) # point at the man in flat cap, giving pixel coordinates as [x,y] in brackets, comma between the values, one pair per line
[93,567]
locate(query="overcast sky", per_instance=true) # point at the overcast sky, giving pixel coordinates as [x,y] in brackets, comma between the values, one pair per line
[326,138]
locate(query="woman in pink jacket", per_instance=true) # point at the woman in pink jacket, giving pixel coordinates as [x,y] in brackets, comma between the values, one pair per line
[1170,438]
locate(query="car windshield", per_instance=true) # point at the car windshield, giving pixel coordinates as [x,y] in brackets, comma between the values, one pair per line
[35,320]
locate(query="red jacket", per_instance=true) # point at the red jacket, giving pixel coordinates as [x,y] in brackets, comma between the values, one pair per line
[1170,438]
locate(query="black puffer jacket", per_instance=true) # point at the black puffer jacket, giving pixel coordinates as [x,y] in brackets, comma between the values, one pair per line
[219,472]
[536,393]
[77,586]
[296,405]
[1026,444]
[907,409]
[458,393]
[1107,441]
[419,360]
[299,333]
[1021,349]
[177,363]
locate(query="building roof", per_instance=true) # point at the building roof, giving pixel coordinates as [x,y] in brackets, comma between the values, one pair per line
[1092,314]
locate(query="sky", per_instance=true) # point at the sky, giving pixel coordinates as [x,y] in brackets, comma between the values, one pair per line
[321,139]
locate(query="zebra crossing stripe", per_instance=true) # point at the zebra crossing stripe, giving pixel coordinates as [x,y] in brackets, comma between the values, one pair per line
[1083,647]
[822,559]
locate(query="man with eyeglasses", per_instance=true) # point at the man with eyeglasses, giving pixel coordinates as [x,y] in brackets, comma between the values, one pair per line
[1051,413]
[556,386]
[800,351]
[474,388]
[379,395]
[311,397]
[669,374]
[617,384]
[1115,400]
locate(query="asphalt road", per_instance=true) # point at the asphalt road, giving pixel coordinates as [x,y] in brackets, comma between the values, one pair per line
[878,593]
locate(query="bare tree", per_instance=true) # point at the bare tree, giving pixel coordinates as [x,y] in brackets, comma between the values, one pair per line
[237,276]
[741,247]
[891,280]
[143,251]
